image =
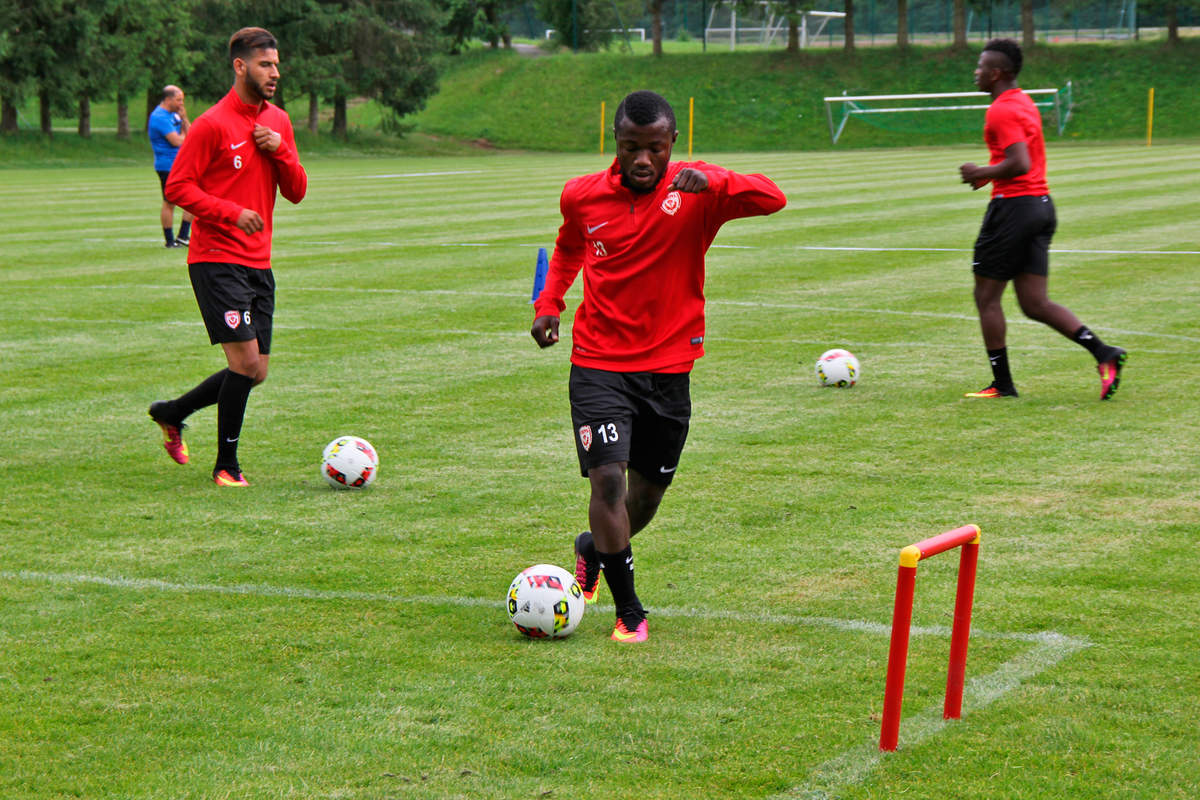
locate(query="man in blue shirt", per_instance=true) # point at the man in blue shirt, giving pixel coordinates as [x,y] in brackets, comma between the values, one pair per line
[167,126]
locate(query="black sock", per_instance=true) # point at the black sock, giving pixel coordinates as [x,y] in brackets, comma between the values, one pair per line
[231,410]
[185,228]
[169,236]
[205,394]
[618,573]
[1085,338]
[1000,372]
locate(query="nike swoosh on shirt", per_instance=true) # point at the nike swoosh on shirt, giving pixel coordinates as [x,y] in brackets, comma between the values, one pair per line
[594,228]
[236,146]
[666,471]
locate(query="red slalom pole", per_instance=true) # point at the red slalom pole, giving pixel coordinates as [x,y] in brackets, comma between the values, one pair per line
[893,693]
[966,537]
[961,632]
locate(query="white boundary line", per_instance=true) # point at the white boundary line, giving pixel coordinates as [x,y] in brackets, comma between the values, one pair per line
[420,174]
[816,248]
[851,767]
[737,303]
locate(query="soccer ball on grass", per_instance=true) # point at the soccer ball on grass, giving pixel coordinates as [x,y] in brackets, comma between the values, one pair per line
[545,601]
[349,462]
[838,368]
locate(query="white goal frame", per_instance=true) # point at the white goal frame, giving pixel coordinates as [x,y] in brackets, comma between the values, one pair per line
[770,27]
[1059,100]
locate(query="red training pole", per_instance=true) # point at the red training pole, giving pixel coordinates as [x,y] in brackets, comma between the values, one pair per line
[893,693]
[960,633]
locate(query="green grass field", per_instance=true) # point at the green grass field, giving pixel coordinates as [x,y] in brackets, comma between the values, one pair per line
[162,638]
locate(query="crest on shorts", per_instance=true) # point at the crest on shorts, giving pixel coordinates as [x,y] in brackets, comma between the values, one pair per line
[585,437]
[232,318]
[672,203]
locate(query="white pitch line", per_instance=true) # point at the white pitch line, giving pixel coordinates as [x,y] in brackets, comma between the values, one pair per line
[424,174]
[968,250]
[267,590]
[855,765]
[737,303]
[815,248]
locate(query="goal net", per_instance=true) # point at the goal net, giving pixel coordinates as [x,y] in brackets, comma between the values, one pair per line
[934,113]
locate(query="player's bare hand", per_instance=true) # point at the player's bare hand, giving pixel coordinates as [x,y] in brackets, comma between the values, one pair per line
[690,180]
[266,139]
[249,221]
[545,330]
[971,174]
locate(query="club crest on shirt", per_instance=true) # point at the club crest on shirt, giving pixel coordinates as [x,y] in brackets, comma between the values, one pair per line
[585,437]
[672,203]
[233,318]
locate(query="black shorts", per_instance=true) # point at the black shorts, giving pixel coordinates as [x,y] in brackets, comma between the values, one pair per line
[162,179]
[237,303]
[640,418]
[1015,237]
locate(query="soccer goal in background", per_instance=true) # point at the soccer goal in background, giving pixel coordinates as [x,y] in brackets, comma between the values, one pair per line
[839,109]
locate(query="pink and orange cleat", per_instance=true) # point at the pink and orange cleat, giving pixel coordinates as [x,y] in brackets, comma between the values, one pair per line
[224,477]
[622,634]
[587,573]
[1110,372]
[172,434]
[992,392]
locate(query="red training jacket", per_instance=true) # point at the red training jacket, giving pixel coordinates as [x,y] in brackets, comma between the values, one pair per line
[642,257]
[1012,117]
[219,171]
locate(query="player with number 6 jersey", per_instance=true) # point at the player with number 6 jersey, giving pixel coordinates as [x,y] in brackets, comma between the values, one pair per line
[236,156]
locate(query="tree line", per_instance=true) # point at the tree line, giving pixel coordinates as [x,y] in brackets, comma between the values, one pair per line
[66,53]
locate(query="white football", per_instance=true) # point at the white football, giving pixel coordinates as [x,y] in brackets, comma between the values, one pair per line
[838,368]
[349,462]
[545,601]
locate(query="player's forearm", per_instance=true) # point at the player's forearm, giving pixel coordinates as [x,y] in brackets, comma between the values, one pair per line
[757,192]
[191,198]
[293,180]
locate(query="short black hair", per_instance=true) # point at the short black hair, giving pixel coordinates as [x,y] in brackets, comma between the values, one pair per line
[644,108]
[247,40]
[1009,49]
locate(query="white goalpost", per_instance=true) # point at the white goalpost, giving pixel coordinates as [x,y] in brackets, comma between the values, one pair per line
[765,26]
[856,105]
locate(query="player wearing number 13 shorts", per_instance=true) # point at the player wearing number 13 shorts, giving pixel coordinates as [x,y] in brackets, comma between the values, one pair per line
[234,159]
[639,231]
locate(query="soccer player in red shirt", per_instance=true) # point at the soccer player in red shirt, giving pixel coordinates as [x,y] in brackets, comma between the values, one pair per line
[638,231]
[235,157]
[1014,240]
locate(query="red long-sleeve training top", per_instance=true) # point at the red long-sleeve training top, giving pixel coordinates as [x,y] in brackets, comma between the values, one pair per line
[642,257]
[219,171]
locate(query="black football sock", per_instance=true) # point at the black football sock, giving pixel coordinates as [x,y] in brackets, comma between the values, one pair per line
[185,228]
[231,410]
[203,395]
[618,573]
[169,236]
[1085,338]
[1000,372]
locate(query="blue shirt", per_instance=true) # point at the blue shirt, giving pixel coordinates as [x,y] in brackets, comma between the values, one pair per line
[160,124]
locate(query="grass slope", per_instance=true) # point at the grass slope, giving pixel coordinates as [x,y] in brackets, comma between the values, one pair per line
[756,100]
[163,638]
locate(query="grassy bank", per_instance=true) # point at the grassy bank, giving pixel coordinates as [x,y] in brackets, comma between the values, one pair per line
[745,101]
[752,100]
